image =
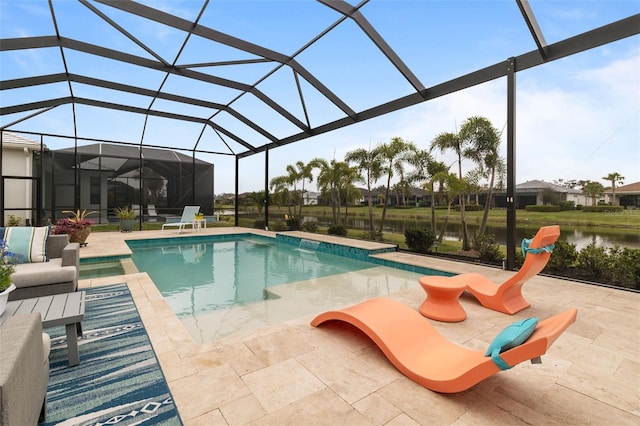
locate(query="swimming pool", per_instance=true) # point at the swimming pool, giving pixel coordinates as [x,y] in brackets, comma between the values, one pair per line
[219,286]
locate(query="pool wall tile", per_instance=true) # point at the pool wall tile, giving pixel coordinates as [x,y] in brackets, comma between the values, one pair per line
[196,239]
[101,259]
[321,246]
[361,254]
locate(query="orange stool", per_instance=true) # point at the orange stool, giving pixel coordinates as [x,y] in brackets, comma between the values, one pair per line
[442,299]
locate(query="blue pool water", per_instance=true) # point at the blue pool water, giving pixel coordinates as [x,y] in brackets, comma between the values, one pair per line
[202,276]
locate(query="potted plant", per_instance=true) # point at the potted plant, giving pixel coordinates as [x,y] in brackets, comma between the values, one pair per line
[127,217]
[7,267]
[78,227]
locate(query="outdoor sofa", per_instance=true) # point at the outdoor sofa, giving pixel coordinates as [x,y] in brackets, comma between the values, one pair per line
[24,370]
[58,274]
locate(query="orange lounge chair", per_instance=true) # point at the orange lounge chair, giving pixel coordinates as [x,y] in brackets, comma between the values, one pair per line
[416,348]
[507,297]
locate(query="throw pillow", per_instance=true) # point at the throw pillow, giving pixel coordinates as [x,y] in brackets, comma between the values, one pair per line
[512,336]
[28,243]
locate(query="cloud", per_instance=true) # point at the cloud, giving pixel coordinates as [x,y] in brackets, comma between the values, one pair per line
[580,125]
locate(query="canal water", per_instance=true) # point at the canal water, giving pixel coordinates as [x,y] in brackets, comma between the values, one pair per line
[581,236]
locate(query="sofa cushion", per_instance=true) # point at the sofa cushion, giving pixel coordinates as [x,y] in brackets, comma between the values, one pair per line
[28,243]
[35,274]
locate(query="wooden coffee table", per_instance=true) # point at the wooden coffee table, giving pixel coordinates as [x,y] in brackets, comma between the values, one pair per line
[61,309]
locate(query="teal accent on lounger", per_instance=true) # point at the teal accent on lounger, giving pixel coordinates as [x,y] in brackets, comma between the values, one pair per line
[512,336]
[526,249]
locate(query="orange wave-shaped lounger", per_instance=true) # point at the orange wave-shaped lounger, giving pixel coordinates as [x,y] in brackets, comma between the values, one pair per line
[416,348]
[507,297]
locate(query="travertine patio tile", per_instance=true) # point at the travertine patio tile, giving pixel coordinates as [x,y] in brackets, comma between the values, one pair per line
[247,364]
[208,390]
[319,408]
[489,403]
[281,384]
[174,367]
[218,354]
[571,407]
[279,346]
[426,407]
[619,392]
[402,420]
[377,410]
[242,411]
[212,418]
[348,375]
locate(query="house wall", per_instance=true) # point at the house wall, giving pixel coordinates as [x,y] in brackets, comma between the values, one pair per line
[17,161]
[579,199]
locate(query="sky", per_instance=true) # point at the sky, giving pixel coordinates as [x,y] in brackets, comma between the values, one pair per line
[576,118]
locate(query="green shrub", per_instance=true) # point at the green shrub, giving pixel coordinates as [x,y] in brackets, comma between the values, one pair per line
[310,226]
[603,209]
[419,239]
[534,208]
[14,220]
[593,260]
[567,205]
[279,226]
[564,256]
[471,208]
[293,224]
[259,224]
[487,248]
[337,230]
[371,235]
[625,269]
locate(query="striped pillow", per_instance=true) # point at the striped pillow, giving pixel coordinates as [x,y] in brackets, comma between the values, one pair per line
[29,243]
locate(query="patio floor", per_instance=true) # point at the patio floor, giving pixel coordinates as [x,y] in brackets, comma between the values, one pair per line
[293,373]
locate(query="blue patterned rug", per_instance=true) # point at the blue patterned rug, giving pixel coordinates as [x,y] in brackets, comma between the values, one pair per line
[118,380]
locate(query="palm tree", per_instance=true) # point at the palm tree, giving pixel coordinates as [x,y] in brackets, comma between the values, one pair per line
[368,163]
[334,180]
[455,187]
[453,141]
[424,168]
[614,178]
[482,142]
[593,190]
[298,172]
[473,178]
[438,172]
[304,174]
[393,157]
[258,200]
[280,188]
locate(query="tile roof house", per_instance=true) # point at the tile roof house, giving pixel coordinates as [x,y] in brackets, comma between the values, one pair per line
[627,195]
[533,192]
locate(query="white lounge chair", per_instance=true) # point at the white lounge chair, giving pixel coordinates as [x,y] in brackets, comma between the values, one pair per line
[152,214]
[187,218]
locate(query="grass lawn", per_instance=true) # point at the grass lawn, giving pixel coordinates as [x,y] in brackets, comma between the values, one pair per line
[625,219]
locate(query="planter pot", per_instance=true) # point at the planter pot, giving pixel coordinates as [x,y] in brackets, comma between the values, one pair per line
[80,236]
[4,297]
[126,225]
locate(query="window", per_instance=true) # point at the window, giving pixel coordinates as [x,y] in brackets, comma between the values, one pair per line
[94,197]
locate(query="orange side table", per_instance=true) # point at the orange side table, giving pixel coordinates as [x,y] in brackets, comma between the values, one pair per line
[442,299]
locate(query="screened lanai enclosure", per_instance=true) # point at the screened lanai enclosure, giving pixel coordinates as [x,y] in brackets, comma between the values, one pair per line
[156,182]
[223,81]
